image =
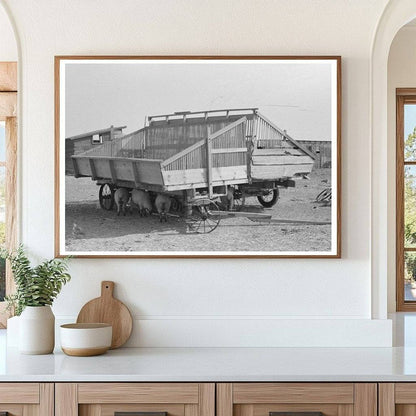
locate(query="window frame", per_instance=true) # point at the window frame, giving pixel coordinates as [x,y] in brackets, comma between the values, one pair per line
[97,142]
[403,96]
[8,111]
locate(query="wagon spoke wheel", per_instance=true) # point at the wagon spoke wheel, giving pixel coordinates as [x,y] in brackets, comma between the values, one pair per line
[324,196]
[268,199]
[205,217]
[106,197]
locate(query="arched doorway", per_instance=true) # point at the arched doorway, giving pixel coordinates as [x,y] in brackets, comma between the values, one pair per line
[396,14]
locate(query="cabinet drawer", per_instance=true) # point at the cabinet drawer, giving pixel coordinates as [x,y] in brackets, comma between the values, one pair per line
[21,399]
[138,393]
[19,393]
[147,399]
[297,399]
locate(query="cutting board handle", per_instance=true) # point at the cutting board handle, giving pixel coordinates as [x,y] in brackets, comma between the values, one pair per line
[107,289]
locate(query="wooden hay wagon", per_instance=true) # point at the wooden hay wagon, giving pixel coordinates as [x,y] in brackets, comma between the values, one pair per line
[196,158]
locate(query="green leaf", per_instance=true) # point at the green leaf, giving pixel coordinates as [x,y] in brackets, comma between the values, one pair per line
[35,286]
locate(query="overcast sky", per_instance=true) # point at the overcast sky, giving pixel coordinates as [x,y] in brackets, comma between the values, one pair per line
[295,96]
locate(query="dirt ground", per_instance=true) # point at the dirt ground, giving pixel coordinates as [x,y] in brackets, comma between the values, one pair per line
[90,228]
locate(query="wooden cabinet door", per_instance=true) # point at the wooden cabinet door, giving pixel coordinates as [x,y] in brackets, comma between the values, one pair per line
[397,399]
[145,399]
[297,399]
[26,399]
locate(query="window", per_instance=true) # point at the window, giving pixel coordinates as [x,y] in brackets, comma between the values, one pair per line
[96,139]
[406,199]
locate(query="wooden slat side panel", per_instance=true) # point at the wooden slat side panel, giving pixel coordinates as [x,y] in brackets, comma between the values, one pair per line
[278,160]
[23,393]
[224,399]
[138,393]
[279,171]
[66,399]
[195,156]
[365,399]
[293,393]
[386,399]
[199,176]
[207,399]
[405,393]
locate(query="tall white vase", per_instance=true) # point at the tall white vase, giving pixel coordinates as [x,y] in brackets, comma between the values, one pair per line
[37,330]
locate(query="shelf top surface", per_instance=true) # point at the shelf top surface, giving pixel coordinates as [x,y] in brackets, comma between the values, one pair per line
[212,365]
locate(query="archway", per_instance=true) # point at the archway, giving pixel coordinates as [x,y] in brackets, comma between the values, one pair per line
[396,14]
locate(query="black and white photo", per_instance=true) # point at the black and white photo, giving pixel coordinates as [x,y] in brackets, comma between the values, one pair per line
[203,157]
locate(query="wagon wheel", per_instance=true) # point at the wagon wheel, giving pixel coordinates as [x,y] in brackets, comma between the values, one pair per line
[324,196]
[106,196]
[205,217]
[268,199]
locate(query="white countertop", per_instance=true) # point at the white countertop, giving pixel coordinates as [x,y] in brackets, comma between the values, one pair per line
[214,364]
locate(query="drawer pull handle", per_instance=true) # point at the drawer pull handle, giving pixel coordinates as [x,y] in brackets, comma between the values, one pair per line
[296,414]
[139,414]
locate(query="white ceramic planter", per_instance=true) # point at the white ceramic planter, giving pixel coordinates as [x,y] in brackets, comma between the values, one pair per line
[37,330]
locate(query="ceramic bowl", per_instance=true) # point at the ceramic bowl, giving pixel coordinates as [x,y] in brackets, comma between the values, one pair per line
[84,340]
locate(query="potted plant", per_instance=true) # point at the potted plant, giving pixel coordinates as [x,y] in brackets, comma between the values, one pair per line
[36,289]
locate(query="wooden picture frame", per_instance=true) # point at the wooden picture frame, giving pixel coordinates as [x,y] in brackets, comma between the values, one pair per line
[206,161]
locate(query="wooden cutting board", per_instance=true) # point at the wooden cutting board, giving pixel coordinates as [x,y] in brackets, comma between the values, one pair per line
[107,309]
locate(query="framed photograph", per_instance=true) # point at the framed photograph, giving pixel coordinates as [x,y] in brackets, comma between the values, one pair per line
[198,156]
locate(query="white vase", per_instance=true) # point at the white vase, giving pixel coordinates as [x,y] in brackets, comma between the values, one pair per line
[37,330]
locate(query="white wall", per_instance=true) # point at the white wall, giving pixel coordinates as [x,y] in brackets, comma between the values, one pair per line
[8,47]
[179,302]
[401,74]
